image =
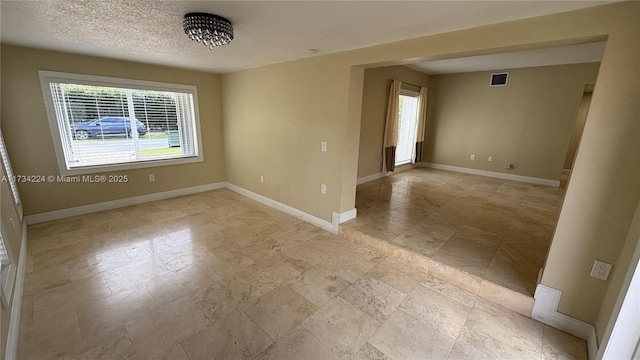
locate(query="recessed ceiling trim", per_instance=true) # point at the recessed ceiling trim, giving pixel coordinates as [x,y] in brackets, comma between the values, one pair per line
[559,55]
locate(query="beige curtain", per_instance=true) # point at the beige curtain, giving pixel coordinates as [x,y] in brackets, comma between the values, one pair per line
[391,129]
[422,119]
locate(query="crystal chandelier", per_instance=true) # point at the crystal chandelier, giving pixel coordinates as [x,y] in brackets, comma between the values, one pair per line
[208,29]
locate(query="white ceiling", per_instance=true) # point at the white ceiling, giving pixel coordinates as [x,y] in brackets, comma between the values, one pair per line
[573,54]
[265,31]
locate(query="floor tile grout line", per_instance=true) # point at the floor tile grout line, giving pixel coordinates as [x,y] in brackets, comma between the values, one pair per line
[133,346]
[259,327]
[320,341]
[462,328]
[184,350]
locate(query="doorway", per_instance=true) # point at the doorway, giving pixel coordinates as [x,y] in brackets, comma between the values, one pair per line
[408,121]
[492,228]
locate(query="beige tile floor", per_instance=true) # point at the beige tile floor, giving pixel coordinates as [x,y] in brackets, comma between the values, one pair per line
[494,229]
[218,276]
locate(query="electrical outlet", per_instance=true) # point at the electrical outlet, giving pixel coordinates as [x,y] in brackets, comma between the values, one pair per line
[472,157]
[323,188]
[507,165]
[323,146]
[600,270]
[261,179]
[490,158]
[152,177]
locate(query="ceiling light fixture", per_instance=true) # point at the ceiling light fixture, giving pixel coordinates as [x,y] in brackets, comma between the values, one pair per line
[208,29]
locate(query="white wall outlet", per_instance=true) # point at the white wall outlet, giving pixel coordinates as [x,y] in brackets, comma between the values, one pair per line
[472,157]
[323,146]
[152,177]
[323,188]
[600,270]
[261,179]
[507,165]
[490,158]
[13,224]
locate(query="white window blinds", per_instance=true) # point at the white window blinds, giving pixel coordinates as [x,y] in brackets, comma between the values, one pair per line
[4,257]
[408,118]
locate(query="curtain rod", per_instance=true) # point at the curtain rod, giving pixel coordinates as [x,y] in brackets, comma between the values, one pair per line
[390,80]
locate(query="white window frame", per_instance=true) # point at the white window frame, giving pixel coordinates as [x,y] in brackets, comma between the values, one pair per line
[7,273]
[414,94]
[8,270]
[10,177]
[47,77]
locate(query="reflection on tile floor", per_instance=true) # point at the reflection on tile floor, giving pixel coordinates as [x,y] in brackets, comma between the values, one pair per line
[218,276]
[493,229]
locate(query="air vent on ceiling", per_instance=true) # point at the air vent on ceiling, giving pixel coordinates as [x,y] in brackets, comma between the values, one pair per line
[499,79]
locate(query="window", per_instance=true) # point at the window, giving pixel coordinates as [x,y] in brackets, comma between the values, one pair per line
[7,273]
[408,119]
[7,269]
[4,257]
[9,177]
[104,124]
[7,261]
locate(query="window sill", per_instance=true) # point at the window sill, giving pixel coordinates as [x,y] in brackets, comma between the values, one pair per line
[93,169]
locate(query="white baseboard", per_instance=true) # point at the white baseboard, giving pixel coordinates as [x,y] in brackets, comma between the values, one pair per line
[347,215]
[114,204]
[13,335]
[332,226]
[321,223]
[398,169]
[499,175]
[545,310]
[368,178]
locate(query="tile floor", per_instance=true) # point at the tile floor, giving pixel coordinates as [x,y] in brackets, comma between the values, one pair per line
[494,229]
[218,276]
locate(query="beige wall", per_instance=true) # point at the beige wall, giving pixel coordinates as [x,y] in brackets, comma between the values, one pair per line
[351,140]
[26,129]
[578,128]
[374,107]
[275,118]
[527,123]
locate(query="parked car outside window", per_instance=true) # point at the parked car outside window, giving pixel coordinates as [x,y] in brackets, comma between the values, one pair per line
[105,127]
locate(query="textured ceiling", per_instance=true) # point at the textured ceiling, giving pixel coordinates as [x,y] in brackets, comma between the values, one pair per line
[265,31]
